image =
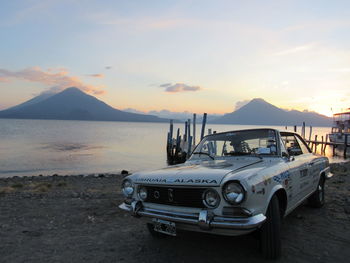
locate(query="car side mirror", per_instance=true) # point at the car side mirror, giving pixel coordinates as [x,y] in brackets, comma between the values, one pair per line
[287,156]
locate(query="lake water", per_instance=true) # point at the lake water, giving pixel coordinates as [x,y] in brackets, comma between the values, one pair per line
[33,147]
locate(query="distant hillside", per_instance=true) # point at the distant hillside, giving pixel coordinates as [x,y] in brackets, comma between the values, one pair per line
[32,101]
[72,104]
[260,112]
[181,116]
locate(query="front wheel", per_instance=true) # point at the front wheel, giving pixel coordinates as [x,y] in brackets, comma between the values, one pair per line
[270,237]
[317,198]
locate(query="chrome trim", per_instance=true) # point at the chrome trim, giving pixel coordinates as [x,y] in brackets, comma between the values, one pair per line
[329,175]
[138,192]
[204,219]
[238,183]
[239,223]
[136,206]
[204,198]
[327,172]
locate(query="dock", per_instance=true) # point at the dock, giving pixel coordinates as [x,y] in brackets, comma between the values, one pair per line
[323,142]
[180,147]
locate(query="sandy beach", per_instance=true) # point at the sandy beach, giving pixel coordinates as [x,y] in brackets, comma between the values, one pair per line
[76,219]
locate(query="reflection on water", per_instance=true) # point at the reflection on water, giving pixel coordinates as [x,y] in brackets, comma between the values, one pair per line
[32,147]
[68,146]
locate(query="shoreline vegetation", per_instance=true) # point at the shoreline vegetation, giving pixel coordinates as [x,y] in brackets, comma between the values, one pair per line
[60,217]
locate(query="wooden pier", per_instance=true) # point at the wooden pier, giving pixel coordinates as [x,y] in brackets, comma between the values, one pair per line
[313,144]
[323,142]
[179,147]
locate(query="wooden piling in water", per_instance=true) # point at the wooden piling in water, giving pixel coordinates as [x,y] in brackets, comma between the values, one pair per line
[189,129]
[168,142]
[171,129]
[178,140]
[203,125]
[316,143]
[345,144]
[325,144]
[194,129]
[189,147]
[295,128]
[303,130]
[310,134]
[325,141]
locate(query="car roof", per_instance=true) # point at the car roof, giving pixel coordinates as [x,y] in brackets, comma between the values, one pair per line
[292,132]
[254,129]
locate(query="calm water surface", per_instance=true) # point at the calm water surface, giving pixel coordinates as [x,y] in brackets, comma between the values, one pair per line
[33,147]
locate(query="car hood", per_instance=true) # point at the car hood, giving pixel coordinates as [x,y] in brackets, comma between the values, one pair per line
[199,173]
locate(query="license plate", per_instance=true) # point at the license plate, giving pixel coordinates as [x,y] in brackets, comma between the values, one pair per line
[164,227]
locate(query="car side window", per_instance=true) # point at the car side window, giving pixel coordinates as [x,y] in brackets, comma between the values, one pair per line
[303,146]
[292,144]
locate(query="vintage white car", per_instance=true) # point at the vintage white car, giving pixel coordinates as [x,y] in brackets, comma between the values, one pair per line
[233,183]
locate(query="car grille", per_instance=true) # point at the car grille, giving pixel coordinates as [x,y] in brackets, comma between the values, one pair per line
[189,197]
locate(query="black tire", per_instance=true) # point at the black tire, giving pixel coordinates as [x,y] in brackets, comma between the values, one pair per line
[317,198]
[270,237]
[154,233]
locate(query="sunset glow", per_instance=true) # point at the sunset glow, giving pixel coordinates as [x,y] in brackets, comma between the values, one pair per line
[198,57]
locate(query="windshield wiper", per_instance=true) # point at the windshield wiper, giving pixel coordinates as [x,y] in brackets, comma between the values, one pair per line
[244,154]
[204,154]
[256,155]
[236,153]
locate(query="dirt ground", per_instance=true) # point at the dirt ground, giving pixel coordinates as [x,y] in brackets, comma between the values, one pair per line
[76,219]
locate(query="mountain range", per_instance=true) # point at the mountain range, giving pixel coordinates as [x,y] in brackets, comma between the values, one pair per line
[74,104]
[181,116]
[260,112]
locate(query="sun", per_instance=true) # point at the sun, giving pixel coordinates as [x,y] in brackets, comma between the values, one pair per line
[321,108]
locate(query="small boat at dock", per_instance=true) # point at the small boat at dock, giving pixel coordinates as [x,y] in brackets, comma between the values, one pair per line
[341,127]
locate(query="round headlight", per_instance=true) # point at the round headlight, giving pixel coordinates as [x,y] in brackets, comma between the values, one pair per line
[143,193]
[233,193]
[211,198]
[127,188]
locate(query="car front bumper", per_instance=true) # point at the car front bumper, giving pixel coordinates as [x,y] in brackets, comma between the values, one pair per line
[202,221]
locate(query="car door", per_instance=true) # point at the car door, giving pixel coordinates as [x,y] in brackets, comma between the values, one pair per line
[298,168]
[314,166]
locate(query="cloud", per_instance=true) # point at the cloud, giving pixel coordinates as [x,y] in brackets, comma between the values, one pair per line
[3,79]
[240,104]
[179,87]
[57,80]
[294,50]
[165,85]
[26,12]
[108,67]
[96,75]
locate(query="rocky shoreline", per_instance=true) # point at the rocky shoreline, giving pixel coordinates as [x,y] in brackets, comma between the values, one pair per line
[64,218]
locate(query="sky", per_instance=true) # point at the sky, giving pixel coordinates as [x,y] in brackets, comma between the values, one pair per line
[196,56]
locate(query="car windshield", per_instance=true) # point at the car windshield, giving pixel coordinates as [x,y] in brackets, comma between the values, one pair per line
[237,143]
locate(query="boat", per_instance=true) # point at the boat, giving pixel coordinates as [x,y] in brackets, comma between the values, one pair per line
[340,127]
